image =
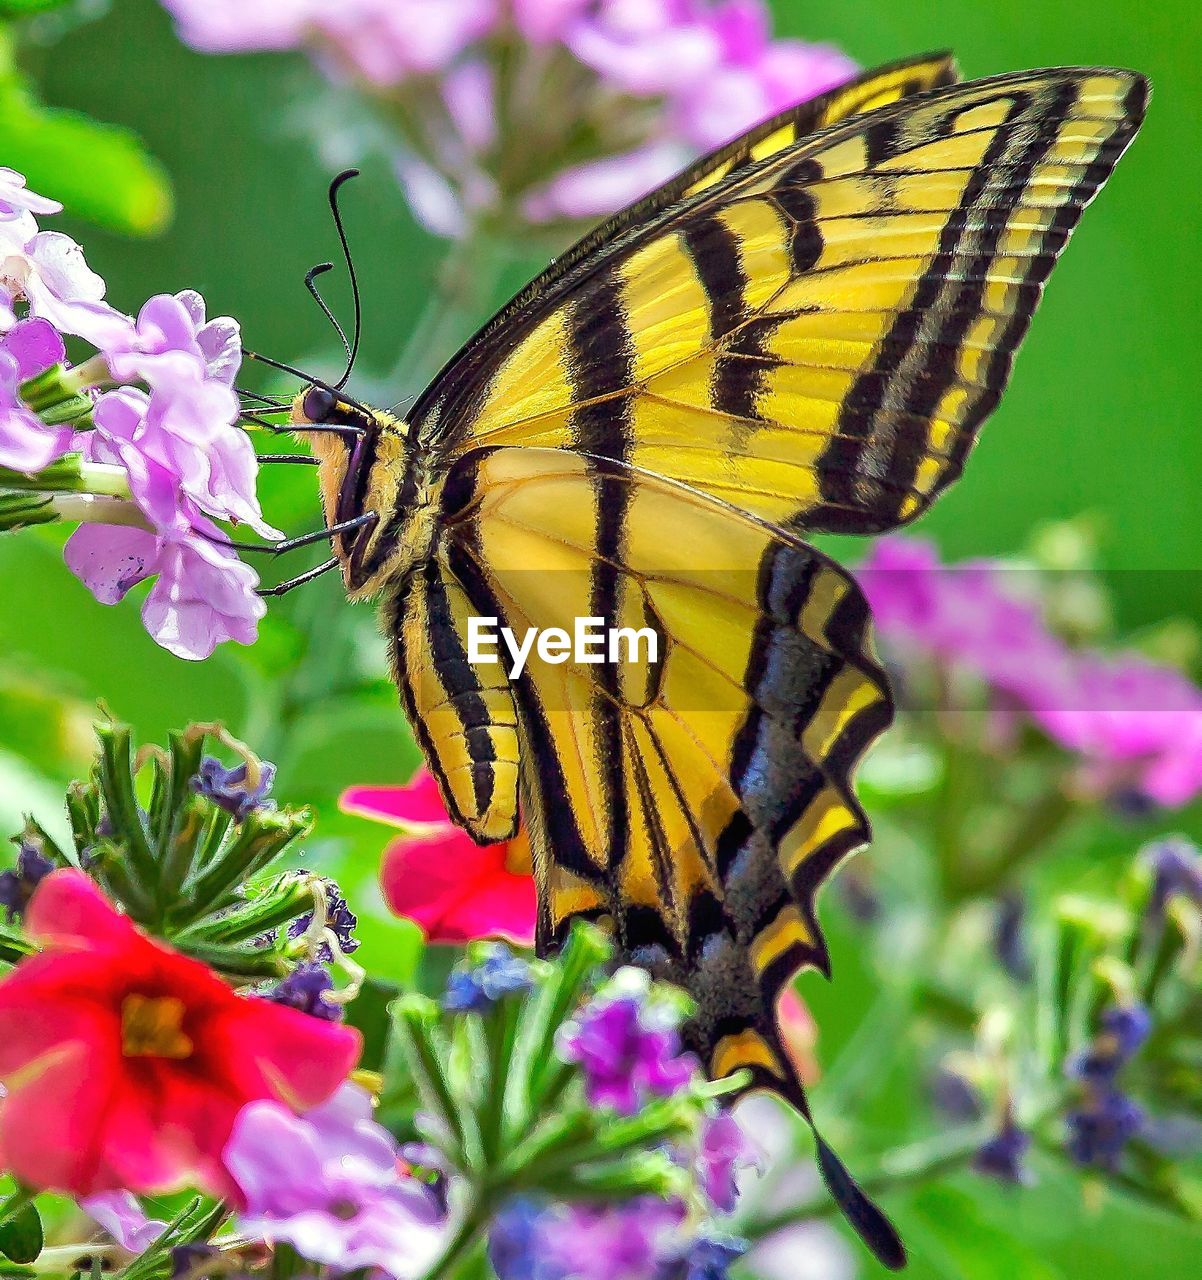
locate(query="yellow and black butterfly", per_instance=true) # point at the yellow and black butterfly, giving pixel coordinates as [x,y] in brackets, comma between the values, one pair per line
[800,334]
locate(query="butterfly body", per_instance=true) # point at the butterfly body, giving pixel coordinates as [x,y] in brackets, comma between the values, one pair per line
[802,333]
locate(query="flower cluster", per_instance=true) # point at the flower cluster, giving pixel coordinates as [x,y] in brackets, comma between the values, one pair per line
[148,424]
[1107,1118]
[506,109]
[627,1046]
[1135,725]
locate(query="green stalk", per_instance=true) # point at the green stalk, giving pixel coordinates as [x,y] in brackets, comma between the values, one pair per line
[500,1031]
[121,802]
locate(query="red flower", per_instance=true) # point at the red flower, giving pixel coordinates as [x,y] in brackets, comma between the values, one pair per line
[126,1063]
[438,876]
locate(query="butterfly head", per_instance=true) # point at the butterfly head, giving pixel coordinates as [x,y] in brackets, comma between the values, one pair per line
[364,457]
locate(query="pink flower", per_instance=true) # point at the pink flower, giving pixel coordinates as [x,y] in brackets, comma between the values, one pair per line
[436,875]
[328,1183]
[126,1063]
[1132,721]
[203,596]
[381,41]
[647,47]
[541,21]
[597,187]
[26,443]
[756,76]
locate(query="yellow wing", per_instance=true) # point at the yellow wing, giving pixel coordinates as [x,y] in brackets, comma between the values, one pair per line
[817,335]
[695,797]
[693,789]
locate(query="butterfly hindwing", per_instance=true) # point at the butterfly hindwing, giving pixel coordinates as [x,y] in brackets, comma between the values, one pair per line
[695,802]
[462,714]
[817,336]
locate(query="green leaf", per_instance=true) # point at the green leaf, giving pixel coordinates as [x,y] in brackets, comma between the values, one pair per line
[99,171]
[945,1225]
[23,8]
[21,1236]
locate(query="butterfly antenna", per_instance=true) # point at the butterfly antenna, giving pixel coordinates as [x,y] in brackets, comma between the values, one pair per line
[311,284]
[353,350]
[306,378]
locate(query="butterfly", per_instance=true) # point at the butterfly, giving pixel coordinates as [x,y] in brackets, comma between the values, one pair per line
[801,334]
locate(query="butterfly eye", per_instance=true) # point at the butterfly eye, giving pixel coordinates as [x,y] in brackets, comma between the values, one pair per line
[318,404]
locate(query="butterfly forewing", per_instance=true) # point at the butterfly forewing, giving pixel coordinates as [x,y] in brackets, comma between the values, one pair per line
[818,335]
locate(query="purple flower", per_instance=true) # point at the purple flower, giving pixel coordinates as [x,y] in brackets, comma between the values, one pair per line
[1003,1156]
[1099,1130]
[381,41]
[340,919]
[709,1257]
[597,187]
[17,886]
[306,988]
[1128,719]
[172,343]
[476,988]
[1122,1030]
[203,596]
[647,47]
[328,1184]
[232,789]
[629,1241]
[26,443]
[1176,869]
[122,1216]
[723,1151]
[627,1050]
[182,451]
[542,21]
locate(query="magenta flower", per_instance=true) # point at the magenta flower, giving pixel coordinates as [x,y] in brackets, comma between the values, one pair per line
[628,1049]
[27,349]
[1132,722]
[329,1184]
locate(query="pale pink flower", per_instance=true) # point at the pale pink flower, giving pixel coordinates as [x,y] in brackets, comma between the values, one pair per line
[598,187]
[1130,720]
[647,47]
[203,596]
[16,199]
[49,271]
[26,443]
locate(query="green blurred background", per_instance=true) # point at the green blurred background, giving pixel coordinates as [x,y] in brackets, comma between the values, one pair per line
[1101,419]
